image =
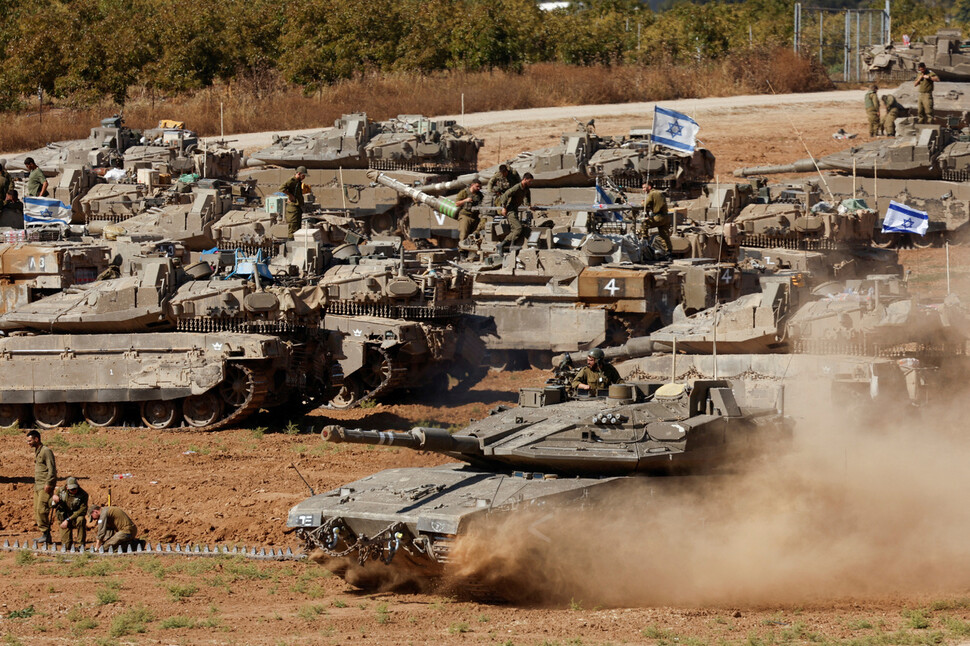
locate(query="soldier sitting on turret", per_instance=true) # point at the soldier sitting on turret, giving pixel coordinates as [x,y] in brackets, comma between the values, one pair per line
[597,374]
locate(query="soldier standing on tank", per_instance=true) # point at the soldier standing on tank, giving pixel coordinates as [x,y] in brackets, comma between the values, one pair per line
[509,203]
[293,188]
[597,374]
[36,181]
[71,505]
[115,527]
[502,181]
[893,109]
[45,477]
[467,199]
[925,82]
[655,206]
[872,110]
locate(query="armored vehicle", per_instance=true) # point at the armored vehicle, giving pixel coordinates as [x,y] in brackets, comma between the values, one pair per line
[409,142]
[925,166]
[29,272]
[106,143]
[555,449]
[945,52]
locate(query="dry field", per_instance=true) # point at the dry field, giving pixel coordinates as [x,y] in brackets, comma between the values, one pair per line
[857,538]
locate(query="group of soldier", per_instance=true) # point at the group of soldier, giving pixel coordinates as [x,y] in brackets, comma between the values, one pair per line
[879,125]
[69,504]
[509,193]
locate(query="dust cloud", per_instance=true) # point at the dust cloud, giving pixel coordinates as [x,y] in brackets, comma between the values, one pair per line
[851,509]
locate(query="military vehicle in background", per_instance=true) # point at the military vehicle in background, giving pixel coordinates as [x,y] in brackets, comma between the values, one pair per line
[866,339]
[556,450]
[211,342]
[29,272]
[945,52]
[106,144]
[925,167]
[408,142]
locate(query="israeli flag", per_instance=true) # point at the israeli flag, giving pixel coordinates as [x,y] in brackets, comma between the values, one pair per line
[43,210]
[603,200]
[674,130]
[903,219]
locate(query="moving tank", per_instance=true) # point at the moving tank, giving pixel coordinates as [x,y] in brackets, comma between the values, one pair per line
[555,450]
[925,167]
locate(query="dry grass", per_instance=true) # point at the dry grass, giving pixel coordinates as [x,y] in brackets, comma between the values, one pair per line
[252,106]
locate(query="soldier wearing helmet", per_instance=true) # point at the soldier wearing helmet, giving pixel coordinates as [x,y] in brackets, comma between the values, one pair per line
[71,505]
[597,374]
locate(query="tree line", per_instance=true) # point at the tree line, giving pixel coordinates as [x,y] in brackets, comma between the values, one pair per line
[83,51]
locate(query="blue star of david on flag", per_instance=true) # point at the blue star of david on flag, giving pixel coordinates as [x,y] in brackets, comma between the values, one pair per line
[904,219]
[44,210]
[674,130]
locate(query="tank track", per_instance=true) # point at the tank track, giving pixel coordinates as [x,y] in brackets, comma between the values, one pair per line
[167,549]
[254,400]
[394,377]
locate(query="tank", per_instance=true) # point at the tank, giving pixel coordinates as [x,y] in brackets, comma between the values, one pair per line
[945,52]
[401,525]
[408,142]
[925,167]
[105,144]
[29,272]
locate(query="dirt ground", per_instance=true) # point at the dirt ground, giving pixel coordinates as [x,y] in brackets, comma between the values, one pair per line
[235,486]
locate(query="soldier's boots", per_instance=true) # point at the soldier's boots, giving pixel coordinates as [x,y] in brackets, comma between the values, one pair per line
[45,538]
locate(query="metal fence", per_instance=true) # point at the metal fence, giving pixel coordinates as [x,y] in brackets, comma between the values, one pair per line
[838,37]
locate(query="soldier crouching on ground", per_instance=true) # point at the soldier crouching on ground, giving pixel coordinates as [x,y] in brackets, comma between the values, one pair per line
[71,505]
[597,374]
[45,477]
[115,528]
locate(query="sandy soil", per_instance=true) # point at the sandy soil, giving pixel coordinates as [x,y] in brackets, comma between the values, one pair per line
[236,486]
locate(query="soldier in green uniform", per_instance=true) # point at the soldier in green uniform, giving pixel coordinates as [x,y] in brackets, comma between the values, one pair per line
[293,188]
[71,505]
[657,216]
[502,181]
[115,528]
[509,203]
[893,108]
[872,110]
[467,199]
[45,477]
[924,81]
[597,374]
[36,181]
[12,210]
[6,181]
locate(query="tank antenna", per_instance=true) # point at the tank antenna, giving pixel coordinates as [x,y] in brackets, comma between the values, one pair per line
[312,492]
[801,139]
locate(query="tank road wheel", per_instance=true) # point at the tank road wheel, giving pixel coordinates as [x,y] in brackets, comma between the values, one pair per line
[541,359]
[202,410]
[348,395]
[159,414]
[53,415]
[12,415]
[101,413]
[383,223]
[884,240]
[924,242]
[237,387]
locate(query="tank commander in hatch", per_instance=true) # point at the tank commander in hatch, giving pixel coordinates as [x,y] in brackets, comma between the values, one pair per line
[293,189]
[597,374]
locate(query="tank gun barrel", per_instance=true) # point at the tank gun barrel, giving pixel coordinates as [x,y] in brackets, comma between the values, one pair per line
[800,166]
[419,438]
[445,187]
[439,204]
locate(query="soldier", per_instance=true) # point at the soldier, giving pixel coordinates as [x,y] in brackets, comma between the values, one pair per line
[509,203]
[502,181]
[293,188]
[893,109]
[36,181]
[655,205]
[12,210]
[597,374]
[6,181]
[872,110]
[467,199]
[71,505]
[925,82]
[45,477]
[115,528]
